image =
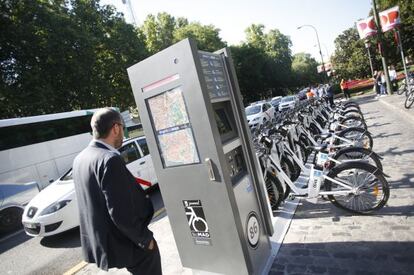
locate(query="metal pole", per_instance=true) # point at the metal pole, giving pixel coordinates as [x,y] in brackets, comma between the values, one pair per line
[402,56]
[319,45]
[370,60]
[384,61]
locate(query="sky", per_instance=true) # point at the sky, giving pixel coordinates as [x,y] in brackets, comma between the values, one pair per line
[329,17]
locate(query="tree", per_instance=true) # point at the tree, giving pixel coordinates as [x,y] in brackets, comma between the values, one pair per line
[406,29]
[207,36]
[249,63]
[350,59]
[277,75]
[60,56]
[304,70]
[158,31]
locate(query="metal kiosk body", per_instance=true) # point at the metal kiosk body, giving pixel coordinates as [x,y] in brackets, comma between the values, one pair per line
[191,110]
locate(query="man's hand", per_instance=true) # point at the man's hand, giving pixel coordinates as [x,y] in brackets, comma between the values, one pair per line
[151,245]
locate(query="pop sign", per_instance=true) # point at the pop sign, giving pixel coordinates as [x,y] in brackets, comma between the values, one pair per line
[366,27]
[390,18]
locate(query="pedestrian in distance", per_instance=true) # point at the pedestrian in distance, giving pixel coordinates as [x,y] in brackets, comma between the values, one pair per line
[393,78]
[114,210]
[383,84]
[344,88]
[310,94]
[330,95]
[377,83]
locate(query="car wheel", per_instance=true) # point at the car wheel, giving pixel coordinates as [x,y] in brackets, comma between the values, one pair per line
[10,219]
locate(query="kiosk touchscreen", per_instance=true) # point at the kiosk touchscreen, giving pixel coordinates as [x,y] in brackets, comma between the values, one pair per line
[193,118]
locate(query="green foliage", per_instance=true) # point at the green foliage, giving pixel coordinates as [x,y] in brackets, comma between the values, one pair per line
[275,62]
[63,55]
[304,68]
[406,30]
[207,37]
[158,31]
[351,59]
[249,63]
[54,58]
[163,30]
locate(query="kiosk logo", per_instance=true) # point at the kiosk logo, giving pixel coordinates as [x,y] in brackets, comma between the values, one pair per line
[197,221]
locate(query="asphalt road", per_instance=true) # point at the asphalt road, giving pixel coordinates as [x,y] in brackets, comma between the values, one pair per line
[21,254]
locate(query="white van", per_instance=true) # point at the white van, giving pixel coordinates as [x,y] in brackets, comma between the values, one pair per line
[136,155]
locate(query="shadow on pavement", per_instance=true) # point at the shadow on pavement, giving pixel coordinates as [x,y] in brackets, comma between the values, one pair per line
[15,240]
[376,124]
[394,151]
[67,239]
[385,135]
[345,258]
[325,209]
[374,117]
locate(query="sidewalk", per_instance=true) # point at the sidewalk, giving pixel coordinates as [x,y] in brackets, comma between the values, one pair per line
[323,239]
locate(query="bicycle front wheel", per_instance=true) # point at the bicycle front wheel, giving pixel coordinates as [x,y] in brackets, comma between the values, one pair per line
[370,188]
[360,136]
[409,100]
[274,191]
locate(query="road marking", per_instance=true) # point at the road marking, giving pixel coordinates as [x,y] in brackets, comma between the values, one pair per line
[11,235]
[76,268]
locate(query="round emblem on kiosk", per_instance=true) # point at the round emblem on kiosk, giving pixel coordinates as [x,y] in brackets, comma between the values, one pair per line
[253,230]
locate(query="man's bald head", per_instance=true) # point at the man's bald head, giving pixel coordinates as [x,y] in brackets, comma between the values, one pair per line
[103,120]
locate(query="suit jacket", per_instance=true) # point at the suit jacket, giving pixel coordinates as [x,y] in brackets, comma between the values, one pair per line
[114,210]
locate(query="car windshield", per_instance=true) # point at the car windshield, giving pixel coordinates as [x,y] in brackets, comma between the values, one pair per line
[275,101]
[252,110]
[288,98]
[66,177]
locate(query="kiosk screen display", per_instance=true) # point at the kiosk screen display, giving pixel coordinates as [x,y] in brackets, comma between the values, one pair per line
[223,123]
[213,71]
[173,128]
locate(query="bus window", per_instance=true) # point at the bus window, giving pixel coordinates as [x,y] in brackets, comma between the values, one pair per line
[129,152]
[144,147]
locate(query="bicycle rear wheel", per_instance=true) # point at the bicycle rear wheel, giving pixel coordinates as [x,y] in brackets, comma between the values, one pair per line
[371,188]
[401,89]
[357,154]
[354,121]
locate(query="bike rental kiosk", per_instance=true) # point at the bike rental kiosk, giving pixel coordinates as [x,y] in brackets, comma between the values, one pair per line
[192,114]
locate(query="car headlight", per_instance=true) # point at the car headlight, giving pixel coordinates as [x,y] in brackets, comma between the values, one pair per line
[55,207]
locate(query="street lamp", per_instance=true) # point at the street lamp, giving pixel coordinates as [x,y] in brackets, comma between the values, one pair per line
[319,45]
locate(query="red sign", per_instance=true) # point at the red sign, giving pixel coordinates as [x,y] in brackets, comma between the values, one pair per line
[366,27]
[390,18]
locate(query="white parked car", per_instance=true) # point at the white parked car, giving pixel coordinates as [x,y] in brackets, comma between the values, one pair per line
[55,209]
[288,102]
[259,113]
[275,102]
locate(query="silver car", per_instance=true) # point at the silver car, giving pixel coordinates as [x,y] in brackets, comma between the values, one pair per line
[13,198]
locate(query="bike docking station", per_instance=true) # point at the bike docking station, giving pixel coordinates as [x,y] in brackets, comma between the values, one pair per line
[194,122]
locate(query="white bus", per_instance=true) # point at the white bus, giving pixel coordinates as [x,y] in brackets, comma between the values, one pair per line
[42,148]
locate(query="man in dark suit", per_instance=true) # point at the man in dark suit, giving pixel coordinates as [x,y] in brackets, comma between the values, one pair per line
[114,210]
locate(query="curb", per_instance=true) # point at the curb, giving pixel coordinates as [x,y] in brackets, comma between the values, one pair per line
[400,111]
